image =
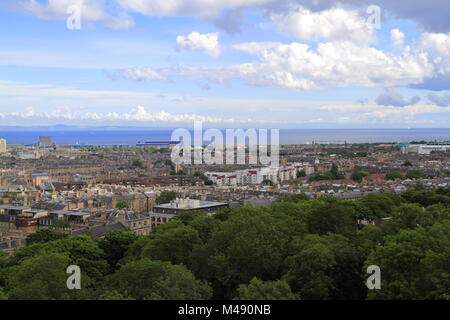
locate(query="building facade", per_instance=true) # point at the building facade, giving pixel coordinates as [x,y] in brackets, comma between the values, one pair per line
[3,145]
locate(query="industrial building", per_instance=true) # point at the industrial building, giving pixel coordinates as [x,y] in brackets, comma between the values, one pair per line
[424,148]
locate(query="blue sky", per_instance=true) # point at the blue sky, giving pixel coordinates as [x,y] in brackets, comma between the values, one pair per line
[235,63]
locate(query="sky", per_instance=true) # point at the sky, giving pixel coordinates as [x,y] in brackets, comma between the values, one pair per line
[228,63]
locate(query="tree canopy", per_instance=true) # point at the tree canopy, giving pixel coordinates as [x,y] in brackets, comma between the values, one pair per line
[296,248]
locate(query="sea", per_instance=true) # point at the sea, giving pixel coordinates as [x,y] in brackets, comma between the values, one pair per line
[287,136]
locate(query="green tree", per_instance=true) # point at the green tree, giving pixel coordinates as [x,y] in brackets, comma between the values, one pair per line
[411,215]
[297,197]
[4,263]
[266,290]
[172,242]
[250,243]
[113,295]
[394,175]
[415,174]
[45,235]
[122,205]
[115,244]
[82,251]
[379,205]
[414,264]
[407,163]
[39,278]
[309,269]
[200,221]
[301,174]
[334,216]
[3,295]
[359,175]
[166,196]
[425,197]
[147,279]
[138,164]
[335,174]
[348,280]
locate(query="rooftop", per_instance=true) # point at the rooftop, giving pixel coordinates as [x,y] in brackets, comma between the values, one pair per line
[190,204]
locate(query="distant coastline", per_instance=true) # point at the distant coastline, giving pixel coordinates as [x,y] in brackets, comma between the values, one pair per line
[130,136]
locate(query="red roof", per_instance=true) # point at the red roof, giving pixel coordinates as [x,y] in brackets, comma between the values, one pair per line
[376,176]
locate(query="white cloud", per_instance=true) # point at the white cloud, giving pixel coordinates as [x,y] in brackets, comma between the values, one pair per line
[337,64]
[139,74]
[436,46]
[431,14]
[397,37]
[90,10]
[208,42]
[138,114]
[392,97]
[439,100]
[297,66]
[331,24]
[359,112]
[199,8]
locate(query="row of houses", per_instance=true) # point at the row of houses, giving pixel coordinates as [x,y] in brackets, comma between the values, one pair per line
[259,175]
[17,222]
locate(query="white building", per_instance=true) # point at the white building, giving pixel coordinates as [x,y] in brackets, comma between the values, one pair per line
[3,145]
[425,148]
[258,175]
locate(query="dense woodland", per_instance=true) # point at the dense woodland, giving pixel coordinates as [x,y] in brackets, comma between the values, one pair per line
[298,248]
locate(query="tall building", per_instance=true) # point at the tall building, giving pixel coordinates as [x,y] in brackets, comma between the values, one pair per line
[45,142]
[2,145]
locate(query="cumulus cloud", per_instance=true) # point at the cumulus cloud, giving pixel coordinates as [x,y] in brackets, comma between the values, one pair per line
[367,112]
[208,42]
[138,114]
[332,24]
[230,20]
[146,73]
[438,82]
[337,63]
[90,11]
[439,100]
[432,15]
[298,66]
[199,8]
[397,37]
[392,97]
[436,46]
